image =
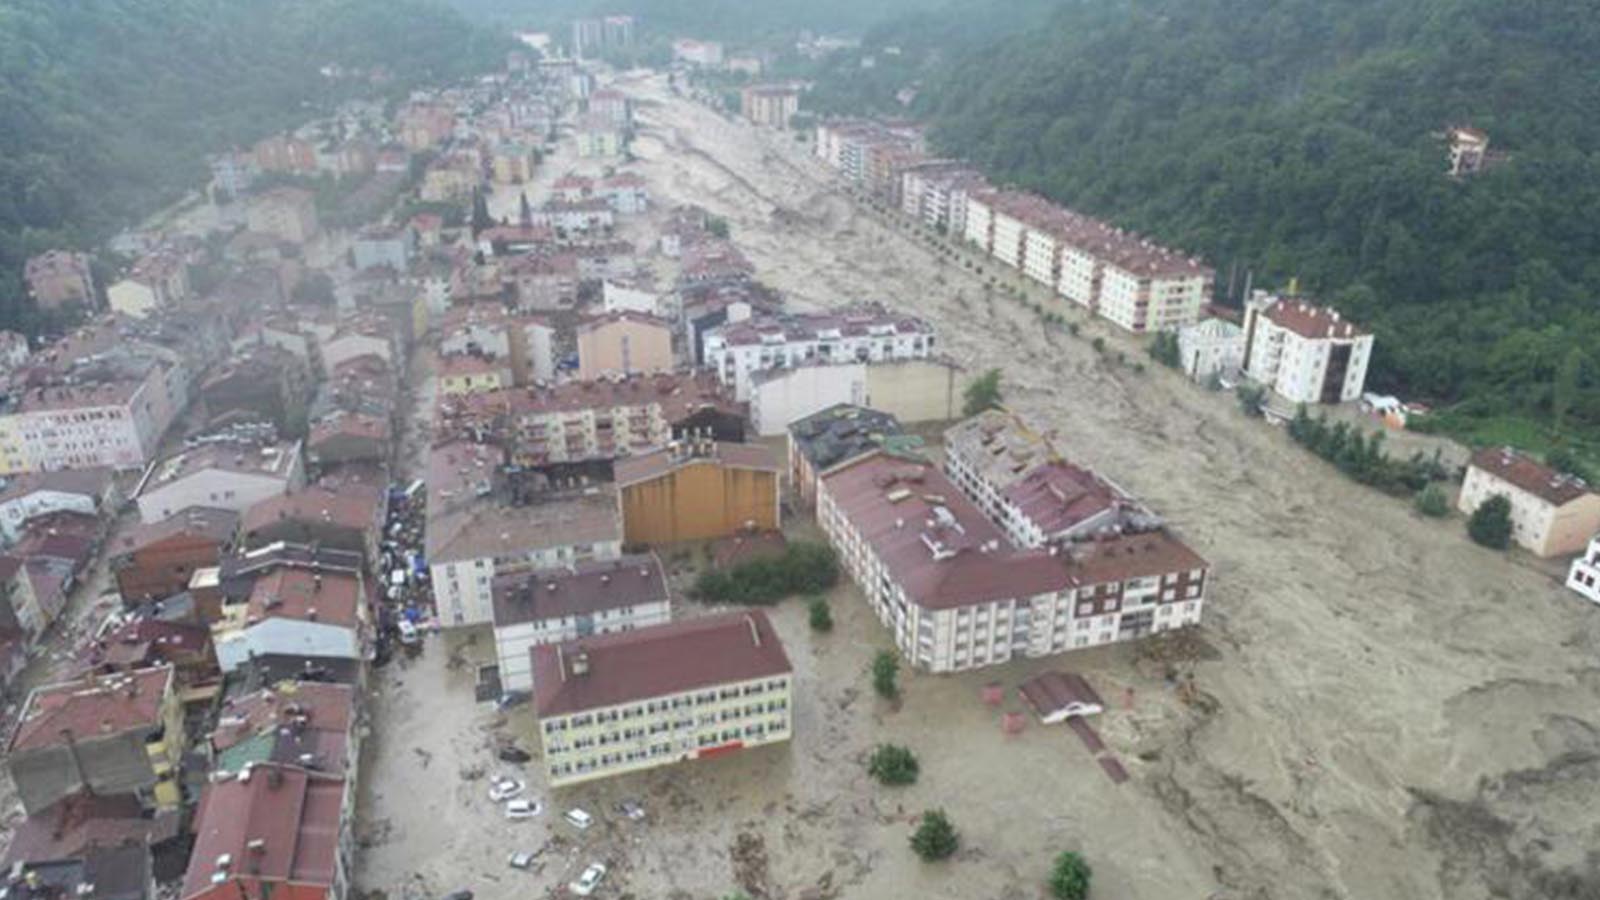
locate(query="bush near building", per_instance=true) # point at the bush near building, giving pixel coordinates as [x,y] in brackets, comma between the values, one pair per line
[935,838]
[1252,399]
[893,765]
[1069,877]
[1362,457]
[1433,502]
[983,393]
[1490,524]
[821,616]
[886,674]
[804,568]
[1164,349]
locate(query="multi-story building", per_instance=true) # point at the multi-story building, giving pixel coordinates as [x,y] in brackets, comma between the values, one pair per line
[377,248]
[115,423]
[613,106]
[91,491]
[956,595]
[478,527]
[156,560]
[599,137]
[935,193]
[773,105]
[1305,353]
[548,606]
[624,343]
[695,489]
[225,474]
[708,54]
[1584,576]
[513,163]
[1552,513]
[157,280]
[867,333]
[296,611]
[837,435]
[120,734]
[989,453]
[58,277]
[275,829]
[694,689]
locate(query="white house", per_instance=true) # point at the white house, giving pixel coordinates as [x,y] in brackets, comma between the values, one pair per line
[1585,574]
[737,351]
[1552,513]
[1305,353]
[1210,347]
[547,606]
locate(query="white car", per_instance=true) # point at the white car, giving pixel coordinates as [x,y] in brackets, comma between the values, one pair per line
[408,632]
[589,880]
[521,859]
[523,809]
[580,820]
[504,788]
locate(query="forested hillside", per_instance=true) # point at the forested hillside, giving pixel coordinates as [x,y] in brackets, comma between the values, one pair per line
[107,109]
[1296,138]
[732,20]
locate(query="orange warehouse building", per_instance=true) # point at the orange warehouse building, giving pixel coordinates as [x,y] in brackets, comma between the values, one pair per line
[695,490]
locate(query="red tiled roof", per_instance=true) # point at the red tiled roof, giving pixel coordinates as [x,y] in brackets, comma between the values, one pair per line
[92,707]
[202,522]
[1530,475]
[293,593]
[294,815]
[308,704]
[353,506]
[83,821]
[1311,321]
[658,661]
[1059,495]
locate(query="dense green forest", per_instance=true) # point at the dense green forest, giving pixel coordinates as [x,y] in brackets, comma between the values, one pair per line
[107,109]
[1297,138]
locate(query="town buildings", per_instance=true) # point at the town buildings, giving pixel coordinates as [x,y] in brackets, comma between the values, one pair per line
[869,333]
[913,390]
[274,829]
[1303,352]
[1552,513]
[57,278]
[156,560]
[223,474]
[513,163]
[297,611]
[707,54]
[624,343]
[772,105]
[696,489]
[546,606]
[935,193]
[157,280]
[1584,576]
[836,435]
[286,213]
[1210,347]
[91,491]
[632,700]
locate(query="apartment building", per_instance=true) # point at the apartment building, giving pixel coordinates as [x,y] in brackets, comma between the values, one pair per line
[156,560]
[837,435]
[991,452]
[866,333]
[116,423]
[275,829]
[697,488]
[286,213]
[478,528]
[91,491]
[772,105]
[633,700]
[1552,513]
[296,612]
[697,53]
[222,474]
[56,278]
[1303,352]
[157,280]
[624,343]
[935,193]
[956,595]
[1584,576]
[549,606]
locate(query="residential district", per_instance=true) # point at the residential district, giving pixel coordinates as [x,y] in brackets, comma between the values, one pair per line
[508,421]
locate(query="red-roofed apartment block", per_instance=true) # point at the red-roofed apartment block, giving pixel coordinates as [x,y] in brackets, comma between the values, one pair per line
[272,831]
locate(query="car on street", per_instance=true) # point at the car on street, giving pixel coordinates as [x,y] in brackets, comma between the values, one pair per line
[521,859]
[579,819]
[523,809]
[514,754]
[504,788]
[589,880]
[631,810]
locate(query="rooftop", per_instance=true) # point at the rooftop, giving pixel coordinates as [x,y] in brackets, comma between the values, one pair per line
[628,666]
[858,321]
[1114,246]
[1527,473]
[841,432]
[582,589]
[92,482]
[353,506]
[632,470]
[288,722]
[236,457]
[332,598]
[202,522]
[1310,320]
[999,446]
[275,824]
[91,707]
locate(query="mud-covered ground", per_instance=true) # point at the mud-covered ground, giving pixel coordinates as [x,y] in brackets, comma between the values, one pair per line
[1382,709]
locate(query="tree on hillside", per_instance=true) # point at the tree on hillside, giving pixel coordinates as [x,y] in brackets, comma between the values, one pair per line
[935,838]
[524,211]
[1490,524]
[983,393]
[1069,877]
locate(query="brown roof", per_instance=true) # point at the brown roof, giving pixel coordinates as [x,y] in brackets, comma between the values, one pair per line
[292,593]
[1049,692]
[303,705]
[92,707]
[653,662]
[624,315]
[1310,320]
[652,465]
[1121,557]
[91,482]
[1111,245]
[354,506]
[294,815]
[201,522]
[83,821]
[1529,474]
[583,589]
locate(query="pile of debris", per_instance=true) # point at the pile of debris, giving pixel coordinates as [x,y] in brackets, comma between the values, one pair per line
[749,856]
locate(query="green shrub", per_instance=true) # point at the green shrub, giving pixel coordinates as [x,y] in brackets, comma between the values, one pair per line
[1490,524]
[805,567]
[821,616]
[893,765]
[1432,502]
[935,838]
[886,674]
[1069,877]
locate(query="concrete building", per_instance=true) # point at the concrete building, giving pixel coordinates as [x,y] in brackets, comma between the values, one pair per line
[91,491]
[384,248]
[549,606]
[868,333]
[956,595]
[476,530]
[836,435]
[57,278]
[1210,347]
[1552,513]
[1303,352]
[935,193]
[612,106]
[621,295]
[772,105]
[707,54]
[156,560]
[117,423]
[1469,150]
[229,475]
[276,830]
[297,612]
[779,397]
[635,700]
[697,489]
[333,513]
[624,343]
[599,137]
[513,163]
[1584,576]
[469,374]
[286,213]
[157,280]
[626,192]
[120,734]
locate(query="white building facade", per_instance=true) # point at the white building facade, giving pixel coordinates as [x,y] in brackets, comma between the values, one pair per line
[1303,352]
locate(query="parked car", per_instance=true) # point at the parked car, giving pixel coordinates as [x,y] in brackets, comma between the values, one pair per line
[504,787]
[630,810]
[521,859]
[589,880]
[523,809]
[578,818]
[513,754]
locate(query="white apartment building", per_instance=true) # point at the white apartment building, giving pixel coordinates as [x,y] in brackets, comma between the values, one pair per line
[29,496]
[1552,513]
[1303,352]
[738,350]
[232,475]
[936,194]
[988,453]
[1210,347]
[978,227]
[693,689]
[117,424]
[1147,288]
[780,397]
[1584,576]
[956,595]
[548,606]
